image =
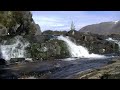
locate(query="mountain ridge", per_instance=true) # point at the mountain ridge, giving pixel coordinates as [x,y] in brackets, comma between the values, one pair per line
[103,28]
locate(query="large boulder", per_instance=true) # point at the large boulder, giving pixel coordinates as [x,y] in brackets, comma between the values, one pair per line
[48,50]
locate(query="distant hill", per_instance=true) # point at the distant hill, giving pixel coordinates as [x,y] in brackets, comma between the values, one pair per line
[104,28]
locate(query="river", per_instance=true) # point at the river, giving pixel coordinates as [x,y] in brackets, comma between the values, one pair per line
[56,69]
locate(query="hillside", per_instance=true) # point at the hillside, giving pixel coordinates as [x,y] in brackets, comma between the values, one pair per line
[104,28]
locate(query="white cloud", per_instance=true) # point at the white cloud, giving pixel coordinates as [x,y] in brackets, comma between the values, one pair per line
[48,22]
[45,18]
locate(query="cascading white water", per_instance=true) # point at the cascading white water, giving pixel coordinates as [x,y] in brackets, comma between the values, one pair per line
[14,50]
[78,51]
[115,41]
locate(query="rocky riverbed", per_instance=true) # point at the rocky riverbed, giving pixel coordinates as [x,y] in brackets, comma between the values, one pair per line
[110,71]
[70,68]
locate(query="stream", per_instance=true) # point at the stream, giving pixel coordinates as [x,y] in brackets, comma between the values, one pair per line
[80,61]
[56,69]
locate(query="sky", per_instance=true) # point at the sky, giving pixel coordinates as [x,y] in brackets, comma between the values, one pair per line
[61,20]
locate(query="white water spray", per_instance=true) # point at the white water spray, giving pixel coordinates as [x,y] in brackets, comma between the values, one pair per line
[14,50]
[78,51]
[115,41]
[115,22]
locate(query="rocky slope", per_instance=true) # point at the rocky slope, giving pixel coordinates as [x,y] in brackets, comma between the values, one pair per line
[17,23]
[104,28]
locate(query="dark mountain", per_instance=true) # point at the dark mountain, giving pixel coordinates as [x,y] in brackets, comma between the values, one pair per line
[104,28]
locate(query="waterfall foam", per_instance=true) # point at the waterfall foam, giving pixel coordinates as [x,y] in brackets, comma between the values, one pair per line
[77,50]
[115,41]
[14,50]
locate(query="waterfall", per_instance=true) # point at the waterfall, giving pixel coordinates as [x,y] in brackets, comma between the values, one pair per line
[15,48]
[115,41]
[78,50]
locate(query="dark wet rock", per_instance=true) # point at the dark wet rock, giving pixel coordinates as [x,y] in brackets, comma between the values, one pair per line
[2,62]
[48,50]
[16,60]
[46,47]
